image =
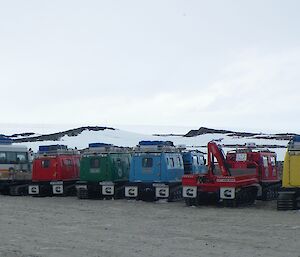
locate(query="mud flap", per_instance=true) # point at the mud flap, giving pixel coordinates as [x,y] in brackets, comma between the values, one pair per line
[227,193]
[286,201]
[108,190]
[161,191]
[131,191]
[189,192]
[57,187]
[33,189]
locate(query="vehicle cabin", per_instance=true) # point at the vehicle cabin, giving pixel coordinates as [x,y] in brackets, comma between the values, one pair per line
[263,161]
[291,174]
[153,161]
[104,162]
[289,194]
[55,163]
[104,169]
[55,171]
[155,172]
[194,162]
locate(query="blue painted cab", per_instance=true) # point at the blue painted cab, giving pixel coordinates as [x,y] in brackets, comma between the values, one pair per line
[194,162]
[155,171]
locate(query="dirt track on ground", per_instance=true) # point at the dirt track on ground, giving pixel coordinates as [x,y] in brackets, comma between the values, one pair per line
[34,227]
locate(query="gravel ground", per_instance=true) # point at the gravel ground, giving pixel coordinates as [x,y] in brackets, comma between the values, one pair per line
[32,227]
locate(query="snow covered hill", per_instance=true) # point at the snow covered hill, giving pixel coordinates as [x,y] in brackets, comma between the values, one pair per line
[81,137]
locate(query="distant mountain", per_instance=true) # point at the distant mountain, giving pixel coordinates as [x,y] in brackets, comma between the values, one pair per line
[204,130]
[32,137]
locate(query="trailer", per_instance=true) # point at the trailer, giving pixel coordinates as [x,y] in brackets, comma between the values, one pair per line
[104,170]
[15,168]
[230,186]
[155,172]
[55,171]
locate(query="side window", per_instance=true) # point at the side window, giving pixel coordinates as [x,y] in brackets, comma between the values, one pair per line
[195,160]
[118,162]
[201,160]
[45,164]
[2,157]
[179,164]
[172,162]
[21,157]
[95,163]
[11,157]
[68,162]
[265,161]
[273,161]
[147,162]
[77,162]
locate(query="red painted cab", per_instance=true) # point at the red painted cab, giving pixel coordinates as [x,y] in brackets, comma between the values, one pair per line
[55,171]
[264,161]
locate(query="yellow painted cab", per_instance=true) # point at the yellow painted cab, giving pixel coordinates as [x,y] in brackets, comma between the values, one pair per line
[289,195]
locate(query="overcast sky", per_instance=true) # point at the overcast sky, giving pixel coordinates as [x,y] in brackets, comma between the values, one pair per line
[229,64]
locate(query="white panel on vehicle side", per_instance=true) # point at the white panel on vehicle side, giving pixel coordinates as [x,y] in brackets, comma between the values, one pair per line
[108,190]
[241,157]
[162,192]
[131,191]
[33,189]
[57,189]
[227,192]
[189,192]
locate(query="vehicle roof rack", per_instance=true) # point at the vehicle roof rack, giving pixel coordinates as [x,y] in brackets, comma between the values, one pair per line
[155,147]
[102,148]
[185,151]
[53,150]
[251,150]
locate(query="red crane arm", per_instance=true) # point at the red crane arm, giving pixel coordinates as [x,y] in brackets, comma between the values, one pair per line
[215,151]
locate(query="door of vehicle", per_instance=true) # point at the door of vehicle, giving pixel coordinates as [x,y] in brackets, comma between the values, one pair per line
[294,170]
[148,167]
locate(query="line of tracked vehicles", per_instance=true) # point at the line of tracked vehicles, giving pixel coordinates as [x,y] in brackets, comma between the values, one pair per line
[104,170]
[55,171]
[151,171]
[241,177]
[156,170]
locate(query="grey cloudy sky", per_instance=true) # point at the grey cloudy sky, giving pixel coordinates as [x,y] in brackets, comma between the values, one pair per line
[230,64]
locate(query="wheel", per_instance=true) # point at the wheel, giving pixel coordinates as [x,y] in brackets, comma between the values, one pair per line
[286,201]
[230,203]
[82,193]
[190,201]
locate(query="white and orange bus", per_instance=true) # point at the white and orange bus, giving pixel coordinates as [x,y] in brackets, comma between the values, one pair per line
[15,168]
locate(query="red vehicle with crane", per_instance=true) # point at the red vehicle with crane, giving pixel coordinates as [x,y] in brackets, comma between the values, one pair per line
[237,179]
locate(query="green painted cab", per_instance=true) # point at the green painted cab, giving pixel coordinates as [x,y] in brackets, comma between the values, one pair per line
[104,170]
[105,167]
